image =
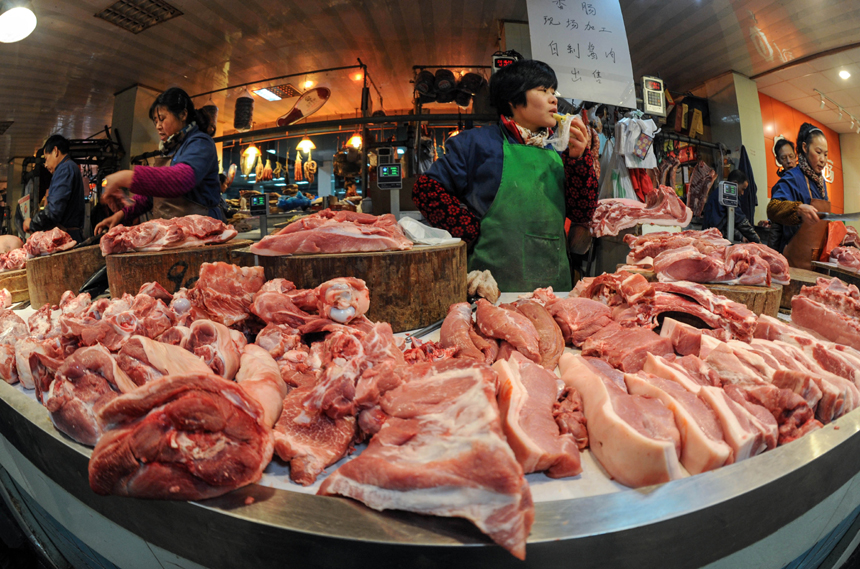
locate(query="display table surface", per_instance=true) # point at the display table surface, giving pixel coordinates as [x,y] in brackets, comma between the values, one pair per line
[763,512]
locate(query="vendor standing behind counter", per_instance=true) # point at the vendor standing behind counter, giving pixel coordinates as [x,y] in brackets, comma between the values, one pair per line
[189,185]
[798,196]
[507,192]
[64,207]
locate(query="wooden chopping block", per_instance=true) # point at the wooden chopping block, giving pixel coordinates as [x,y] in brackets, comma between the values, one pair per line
[16,283]
[759,299]
[408,289]
[172,269]
[49,277]
[799,278]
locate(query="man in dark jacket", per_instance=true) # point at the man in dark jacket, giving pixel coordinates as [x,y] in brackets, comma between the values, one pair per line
[716,214]
[65,202]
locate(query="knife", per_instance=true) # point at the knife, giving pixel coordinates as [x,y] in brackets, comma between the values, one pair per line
[839,216]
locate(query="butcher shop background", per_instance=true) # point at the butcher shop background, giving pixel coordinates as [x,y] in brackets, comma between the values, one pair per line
[780,119]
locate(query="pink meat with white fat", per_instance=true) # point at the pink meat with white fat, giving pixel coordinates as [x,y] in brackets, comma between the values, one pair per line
[217,345]
[87,381]
[47,242]
[742,431]
[702,444]
[162,234]
[510,326]
[343,299]
[686,339]
[527,394]
[457,332]
[443,435]
[690,378]
[278,308]
[224,292]
[334,232]
[550,337]
[176,336]
[181,437]
[260,377]
[634,437]
[626,348]
[652,244]
[848,257]
[579,318]
[145,360]
[824,320]
[663,207]
[689,264]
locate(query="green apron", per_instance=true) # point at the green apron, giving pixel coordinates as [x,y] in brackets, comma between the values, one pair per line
[522,238]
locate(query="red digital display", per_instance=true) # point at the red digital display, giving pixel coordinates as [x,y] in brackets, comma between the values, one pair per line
[653,85]
[500,62]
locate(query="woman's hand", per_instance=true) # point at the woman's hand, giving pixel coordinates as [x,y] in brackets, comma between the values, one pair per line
[108,223]
[808,214]
[580,138]
[112,194]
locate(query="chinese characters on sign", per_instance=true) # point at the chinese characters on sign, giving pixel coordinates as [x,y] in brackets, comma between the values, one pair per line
[586,44]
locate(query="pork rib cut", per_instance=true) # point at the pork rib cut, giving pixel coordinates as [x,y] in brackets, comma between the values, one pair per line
[162,234]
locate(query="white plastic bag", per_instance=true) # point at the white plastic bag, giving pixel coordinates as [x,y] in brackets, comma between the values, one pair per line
[420,233]
[561,137]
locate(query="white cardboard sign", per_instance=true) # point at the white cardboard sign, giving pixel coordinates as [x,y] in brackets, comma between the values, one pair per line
[586,45]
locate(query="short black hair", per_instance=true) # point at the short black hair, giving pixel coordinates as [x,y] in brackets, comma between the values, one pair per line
[57,141]
[737,177]
[805,135]
[509,84]
[176,100]
[780,143]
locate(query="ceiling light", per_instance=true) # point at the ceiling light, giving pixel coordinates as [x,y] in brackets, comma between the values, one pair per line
[16,24]
[358,76]
[822,102]
[251,151]
[271,151]
[308,84]
[355,141]
[840,113]
[306,145]
[844,74]
[266,94]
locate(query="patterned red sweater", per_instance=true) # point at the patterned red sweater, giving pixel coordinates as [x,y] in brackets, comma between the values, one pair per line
[442,208]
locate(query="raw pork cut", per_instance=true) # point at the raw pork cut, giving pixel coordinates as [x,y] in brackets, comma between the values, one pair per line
[181,437]
[570,417]
[701,180]
[343,299]
[851,239]
[830,324]
[47,242]
[633,437]
[579,318]
[278,308]
[741,430]
[511,326]
[550,337]
[161,234]
[155,290]
[626,348]
[260,377]
[457,332]
[527,394]
[145,360]
[846,257]
[702,444]
[224,292]
[218,346]
[442,452]
[689,264]
[744,264]
[14,260]
[310,445]
[652,244]
[86,382]
[836,295]
[335,232]
[663,207]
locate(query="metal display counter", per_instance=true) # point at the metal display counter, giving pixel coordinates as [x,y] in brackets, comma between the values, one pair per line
[763,512]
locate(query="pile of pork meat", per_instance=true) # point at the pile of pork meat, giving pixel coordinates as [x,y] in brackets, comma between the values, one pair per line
[39,244]
[705,257]
[663,207]
[162,234]
[191,395]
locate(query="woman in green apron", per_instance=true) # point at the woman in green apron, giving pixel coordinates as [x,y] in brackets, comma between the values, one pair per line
[798,197]
[188,185]
[507,192]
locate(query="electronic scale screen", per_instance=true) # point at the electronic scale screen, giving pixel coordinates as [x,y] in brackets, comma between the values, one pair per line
[389,176]
[257,204]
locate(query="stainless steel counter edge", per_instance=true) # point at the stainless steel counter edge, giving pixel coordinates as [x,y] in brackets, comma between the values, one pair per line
[691,522]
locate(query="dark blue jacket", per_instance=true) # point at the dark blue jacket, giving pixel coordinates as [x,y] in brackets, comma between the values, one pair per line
[793,187]
[65,204]
[716,215]
[471,168]
[199,151]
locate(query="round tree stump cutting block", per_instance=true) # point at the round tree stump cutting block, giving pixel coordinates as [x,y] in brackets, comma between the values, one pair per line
[49,277]
[799,279]
[172,269]
[16,283]
[759,299]
[408,289]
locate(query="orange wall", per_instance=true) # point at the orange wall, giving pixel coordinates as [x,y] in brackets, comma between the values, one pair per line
[778,118]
